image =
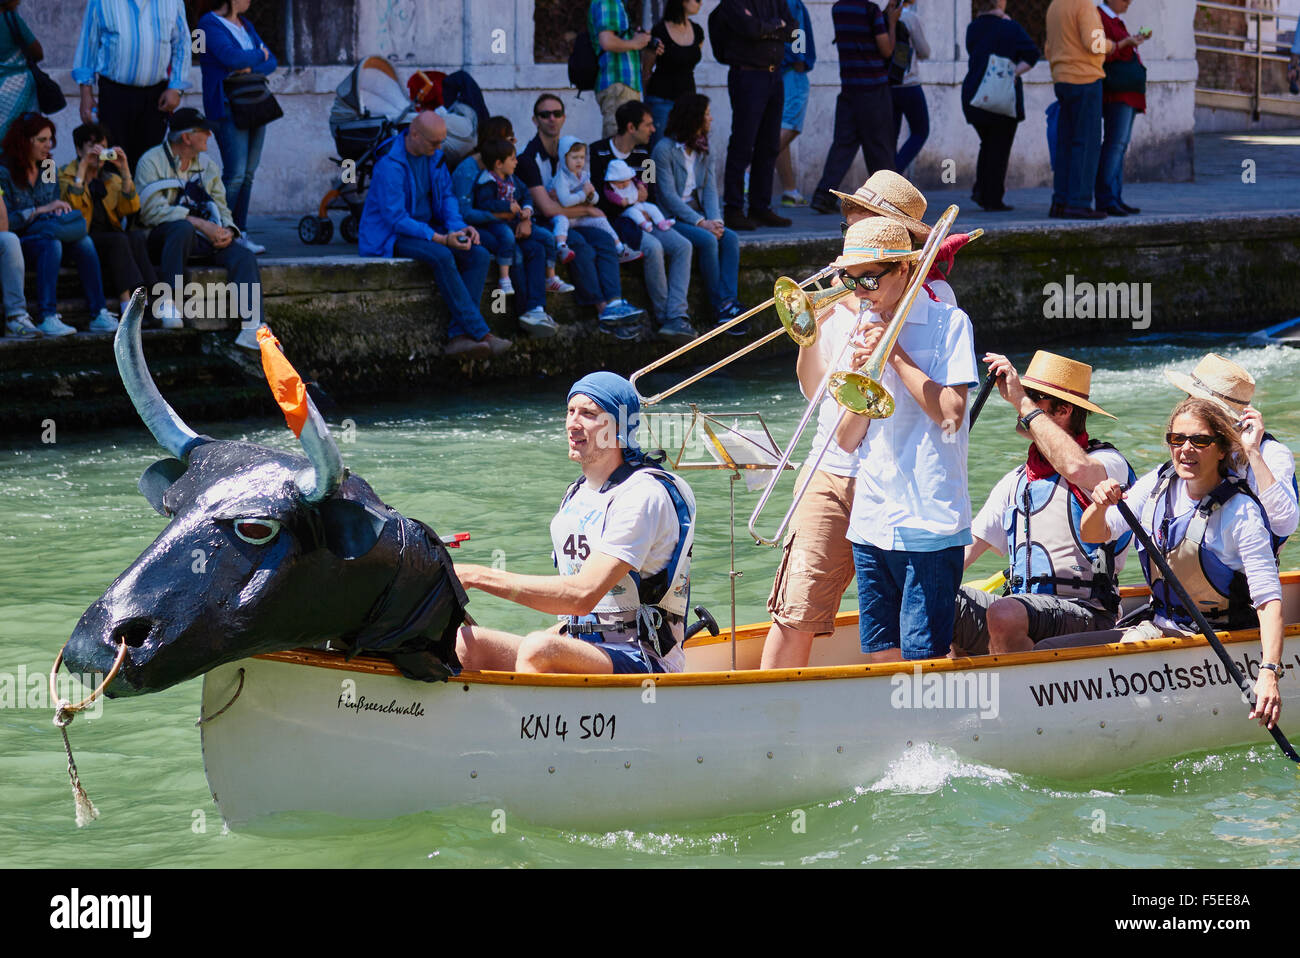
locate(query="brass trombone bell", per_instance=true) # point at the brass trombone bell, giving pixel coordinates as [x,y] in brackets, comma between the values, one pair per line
[797,308]
[861,394]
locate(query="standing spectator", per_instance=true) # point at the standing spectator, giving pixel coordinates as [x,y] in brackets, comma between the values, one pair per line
[1076,48]
[800,57]
[864,110]
[44,224]
[1121,100]
[140,53]
[680,41]
[98,185]
[688,192]
[909,98]
[183,203]
[667,254]
[411,210]
[993,32]
[233,47]
[618,58]
[17,322]
[758,31]
[17,88]
[595,263]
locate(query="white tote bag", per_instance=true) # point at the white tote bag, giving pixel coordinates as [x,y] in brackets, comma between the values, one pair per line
[997,91]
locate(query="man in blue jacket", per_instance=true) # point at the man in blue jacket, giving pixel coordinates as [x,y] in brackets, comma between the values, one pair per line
[411,210]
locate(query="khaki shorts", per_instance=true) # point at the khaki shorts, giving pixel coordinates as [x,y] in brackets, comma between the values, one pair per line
[817,558]
[609,100]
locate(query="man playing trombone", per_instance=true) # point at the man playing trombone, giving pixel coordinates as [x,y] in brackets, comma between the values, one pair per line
[911,515]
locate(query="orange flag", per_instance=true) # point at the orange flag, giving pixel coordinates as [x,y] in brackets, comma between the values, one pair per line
[286,385]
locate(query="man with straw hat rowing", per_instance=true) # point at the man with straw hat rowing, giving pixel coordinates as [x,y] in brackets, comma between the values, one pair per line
[1270,466]
[1058,583]
[911,510]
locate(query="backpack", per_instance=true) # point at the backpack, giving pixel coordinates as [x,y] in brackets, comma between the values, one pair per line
[583,65]
[717,35]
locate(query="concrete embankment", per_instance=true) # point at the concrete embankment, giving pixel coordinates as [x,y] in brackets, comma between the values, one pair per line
[365,328]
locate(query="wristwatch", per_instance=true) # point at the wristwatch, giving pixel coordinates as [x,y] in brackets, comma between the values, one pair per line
[1273,667]
[1026,420]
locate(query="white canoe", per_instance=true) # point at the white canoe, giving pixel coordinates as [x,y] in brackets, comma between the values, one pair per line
[311,732]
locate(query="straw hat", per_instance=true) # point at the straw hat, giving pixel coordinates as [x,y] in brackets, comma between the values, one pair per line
[877,239]
[1219,380]
[889,194]
[1063,378]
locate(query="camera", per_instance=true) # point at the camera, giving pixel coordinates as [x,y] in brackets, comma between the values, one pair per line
[109,155]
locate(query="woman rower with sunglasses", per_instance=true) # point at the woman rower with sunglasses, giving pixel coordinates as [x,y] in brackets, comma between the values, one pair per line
[1214,534]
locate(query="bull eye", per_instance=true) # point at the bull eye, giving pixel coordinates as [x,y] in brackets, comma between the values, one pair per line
[257,531]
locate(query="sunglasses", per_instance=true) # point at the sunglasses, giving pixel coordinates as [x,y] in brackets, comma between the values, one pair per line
[549,114]
[1200,441]
[869,283]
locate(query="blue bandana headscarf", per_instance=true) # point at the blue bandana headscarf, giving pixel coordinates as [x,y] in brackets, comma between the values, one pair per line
[616,396]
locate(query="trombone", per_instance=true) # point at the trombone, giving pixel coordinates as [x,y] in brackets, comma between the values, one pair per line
[858,392]
[797,309]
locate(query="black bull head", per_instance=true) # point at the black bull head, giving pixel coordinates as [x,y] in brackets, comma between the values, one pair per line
[264,551]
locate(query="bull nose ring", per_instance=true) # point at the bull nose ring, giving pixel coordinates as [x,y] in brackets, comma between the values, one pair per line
[65,712]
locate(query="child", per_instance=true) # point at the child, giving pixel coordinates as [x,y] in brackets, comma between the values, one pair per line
[621,191]
[572,187]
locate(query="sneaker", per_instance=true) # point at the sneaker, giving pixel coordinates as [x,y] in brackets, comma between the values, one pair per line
[556,285]
[678,330]
[467,347]
[53,325]
[626,334]
[247,338]
[246,241]
[768,218]
[538,324]
[22,327]
[665,224]
[564,254]
[730,310]
[620,312]
[793,198]
[629,255]
[104,322]
[169,316]
[824,203]
[740,329]
[506,286]
[496,345]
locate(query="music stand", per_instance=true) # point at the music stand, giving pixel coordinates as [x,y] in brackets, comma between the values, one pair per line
[752,452]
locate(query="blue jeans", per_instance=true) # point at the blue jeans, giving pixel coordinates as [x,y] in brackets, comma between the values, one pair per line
[11,274]
[1110,169]
[44,243]
[499,239]
[909,101]
[1078,143]
[594,269]
[719,261]
[530,274]
[659,109]
[241,151]
[908,598]
[460,275]
[667,259]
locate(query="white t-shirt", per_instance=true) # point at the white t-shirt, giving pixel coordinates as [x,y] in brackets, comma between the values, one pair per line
[1279,499]
[1235,534]
[833,333]
[988,524]
[911,492]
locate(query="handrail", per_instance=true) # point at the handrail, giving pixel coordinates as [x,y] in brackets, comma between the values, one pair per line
[1252,47]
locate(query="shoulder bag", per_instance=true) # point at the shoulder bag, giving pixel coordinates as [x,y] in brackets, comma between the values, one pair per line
[251,102]
[49,98]
[997,90]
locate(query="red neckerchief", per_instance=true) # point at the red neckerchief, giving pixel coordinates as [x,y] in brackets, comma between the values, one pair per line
[1037,467]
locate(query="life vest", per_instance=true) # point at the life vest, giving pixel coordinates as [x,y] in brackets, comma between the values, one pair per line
[655,602]
[1048,553]
[1221,594]
[1278,541]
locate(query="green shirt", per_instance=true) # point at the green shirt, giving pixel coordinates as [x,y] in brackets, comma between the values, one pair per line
[614,68]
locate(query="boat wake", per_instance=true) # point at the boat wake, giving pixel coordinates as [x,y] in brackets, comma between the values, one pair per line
[927,768]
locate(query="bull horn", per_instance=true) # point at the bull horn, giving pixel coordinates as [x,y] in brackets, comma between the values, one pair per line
[167,427]
[326,473]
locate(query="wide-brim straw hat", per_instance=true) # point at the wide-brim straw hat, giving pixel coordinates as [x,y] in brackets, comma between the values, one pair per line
[876,239]
[1219,380]
[888,194]
[1063,378]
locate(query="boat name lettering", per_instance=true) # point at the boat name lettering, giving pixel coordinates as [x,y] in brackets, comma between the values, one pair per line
[533,726]
[359,704]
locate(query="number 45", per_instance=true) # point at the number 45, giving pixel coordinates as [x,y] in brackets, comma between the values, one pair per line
[578,549]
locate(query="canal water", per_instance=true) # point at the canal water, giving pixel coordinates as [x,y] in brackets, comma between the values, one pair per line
[492,463]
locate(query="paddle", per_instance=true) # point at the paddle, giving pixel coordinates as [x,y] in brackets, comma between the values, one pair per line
[1206,629]
[981,398]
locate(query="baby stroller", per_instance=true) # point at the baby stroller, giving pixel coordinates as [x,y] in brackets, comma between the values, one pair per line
[370,105]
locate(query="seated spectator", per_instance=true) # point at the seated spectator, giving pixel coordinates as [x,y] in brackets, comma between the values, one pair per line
[99,186]
[466,175]
[44,224]
[412,211]
[620,190]
[572,187]
[499,193]
[595,263]
[183,204]
[667,254]
[17,321]
[688,191]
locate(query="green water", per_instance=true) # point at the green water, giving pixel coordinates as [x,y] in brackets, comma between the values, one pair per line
[495,466]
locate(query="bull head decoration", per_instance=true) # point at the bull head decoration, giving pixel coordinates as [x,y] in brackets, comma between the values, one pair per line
[263,551]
